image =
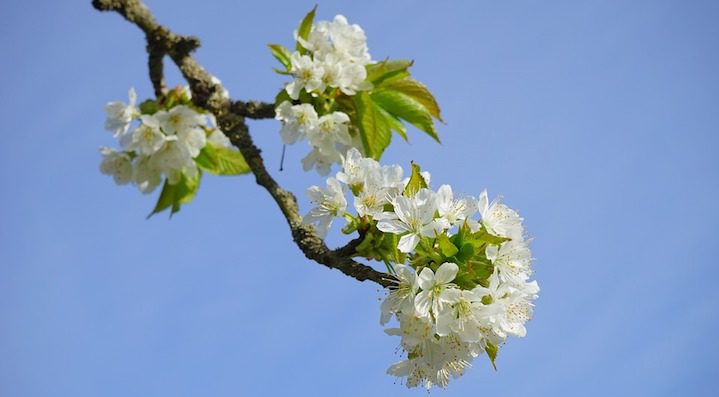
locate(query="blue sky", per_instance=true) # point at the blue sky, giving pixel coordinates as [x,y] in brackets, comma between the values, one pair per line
[598,120]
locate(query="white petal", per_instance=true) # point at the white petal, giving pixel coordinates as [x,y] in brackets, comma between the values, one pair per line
[426,278]
[407,243]
[422,302]
[446,273]
[393,226]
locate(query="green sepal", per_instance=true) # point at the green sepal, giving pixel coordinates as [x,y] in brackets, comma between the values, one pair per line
[416,182]
[492,351]
[149,107]
[175,97]
[304,29]
[221,160]
[282,54]
[173,196]
[380,246]
[352,224]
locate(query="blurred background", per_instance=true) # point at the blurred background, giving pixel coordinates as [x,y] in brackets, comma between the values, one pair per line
[597,120]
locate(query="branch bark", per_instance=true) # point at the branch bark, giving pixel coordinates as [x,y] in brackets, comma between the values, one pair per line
[230,115]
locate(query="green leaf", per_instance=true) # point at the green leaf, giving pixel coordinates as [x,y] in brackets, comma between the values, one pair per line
[416,182]
[406,107]
[479,268]
[173,196]
[387,70]
[417,91]
[465,253]
[448,249]
[282,54]
[492,351]
[221,160]
[282,72]
[282,96]
[303,30]
[374,129]
[484,236]
[394,123]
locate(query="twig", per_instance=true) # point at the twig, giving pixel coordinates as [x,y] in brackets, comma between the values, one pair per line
[230,115]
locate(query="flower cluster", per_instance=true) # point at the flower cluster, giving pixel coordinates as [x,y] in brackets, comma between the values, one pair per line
[157,142]
[462,280]
[331,63]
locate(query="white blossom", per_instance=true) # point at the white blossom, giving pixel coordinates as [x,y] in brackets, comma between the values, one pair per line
[119,114]
[145,174]
[451,211]
[356,169]
[510,306]
[116,164]
[147,137]
[307,75]
[401,298]
[178,119]
[437,289]
[499,219]
[413,218]
[512,261]
[330,202]
[297,121]
[461,316]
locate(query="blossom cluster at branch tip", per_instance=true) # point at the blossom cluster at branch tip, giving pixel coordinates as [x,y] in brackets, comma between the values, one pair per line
[462,264]
[332,63]
[157,144]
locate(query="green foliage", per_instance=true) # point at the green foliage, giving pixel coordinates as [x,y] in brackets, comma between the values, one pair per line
[372,123]
[394,97]
[416,182]
[173,196]
[387,70]
[282,54]
[303,31]
[492,351]
[220,160]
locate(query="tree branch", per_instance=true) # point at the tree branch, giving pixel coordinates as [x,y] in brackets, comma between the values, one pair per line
[254,109]
[230,116]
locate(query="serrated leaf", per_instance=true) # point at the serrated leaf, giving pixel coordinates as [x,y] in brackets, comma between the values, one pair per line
[173,196]
[418,92]
[492,351]
[221,160]
[303,31]
[387,70]
[282,54]
[448,249]
[416,182]
[407,108]
[374,130]
[394,123]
